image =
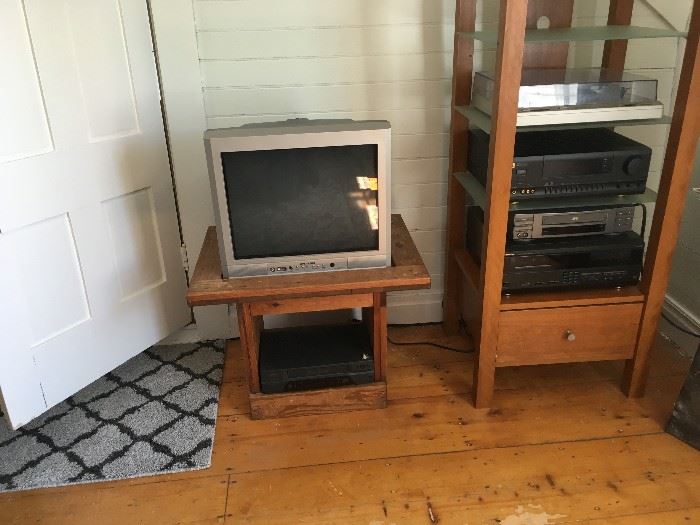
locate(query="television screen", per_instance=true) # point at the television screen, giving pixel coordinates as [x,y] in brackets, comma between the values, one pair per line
[302,201]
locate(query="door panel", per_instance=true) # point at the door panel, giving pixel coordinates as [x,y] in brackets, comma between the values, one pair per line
[87,213]
[30,135]
[50,242]
[103,68]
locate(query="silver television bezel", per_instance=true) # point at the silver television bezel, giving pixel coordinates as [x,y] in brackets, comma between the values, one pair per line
[300,135]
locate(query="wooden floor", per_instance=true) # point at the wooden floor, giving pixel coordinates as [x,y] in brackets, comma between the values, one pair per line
[560,445]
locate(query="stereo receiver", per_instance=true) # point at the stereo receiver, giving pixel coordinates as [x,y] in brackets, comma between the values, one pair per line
[570,162]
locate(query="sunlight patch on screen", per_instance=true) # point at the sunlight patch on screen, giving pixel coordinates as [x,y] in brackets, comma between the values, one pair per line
[368,183]
[373,214]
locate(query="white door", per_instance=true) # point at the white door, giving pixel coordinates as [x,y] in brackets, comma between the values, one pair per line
[90,268]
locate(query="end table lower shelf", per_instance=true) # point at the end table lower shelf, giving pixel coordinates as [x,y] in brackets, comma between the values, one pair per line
[309,402]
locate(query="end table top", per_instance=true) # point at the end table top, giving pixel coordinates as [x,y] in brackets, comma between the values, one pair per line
[407,272]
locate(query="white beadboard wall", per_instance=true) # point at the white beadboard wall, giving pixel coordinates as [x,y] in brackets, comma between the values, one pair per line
[266,60]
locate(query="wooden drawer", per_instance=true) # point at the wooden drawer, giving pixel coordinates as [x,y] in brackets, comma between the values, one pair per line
[563,335]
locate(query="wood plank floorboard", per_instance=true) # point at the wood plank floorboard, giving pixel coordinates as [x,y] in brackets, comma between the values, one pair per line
[673,517]
[561,444]
[200,501]
[579,480]
[442,424]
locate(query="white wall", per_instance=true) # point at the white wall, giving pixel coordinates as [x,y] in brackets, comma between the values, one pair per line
[266,60]
[181,86]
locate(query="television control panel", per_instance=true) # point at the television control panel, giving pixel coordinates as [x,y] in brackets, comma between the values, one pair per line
[307,266]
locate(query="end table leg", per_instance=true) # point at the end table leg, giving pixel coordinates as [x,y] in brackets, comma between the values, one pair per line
[249,327]
[484,375]
[379,336]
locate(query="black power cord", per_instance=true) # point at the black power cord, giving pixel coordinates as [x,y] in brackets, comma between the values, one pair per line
[679,327]
[428,343]
[462,328]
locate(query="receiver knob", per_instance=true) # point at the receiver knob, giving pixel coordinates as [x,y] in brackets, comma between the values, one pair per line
[570,336]
[632,165]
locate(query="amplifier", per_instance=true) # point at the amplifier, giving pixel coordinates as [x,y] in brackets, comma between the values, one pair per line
[578,262]
[558,223]
[569,162]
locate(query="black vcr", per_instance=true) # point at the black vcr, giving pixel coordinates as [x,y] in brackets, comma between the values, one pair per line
[564,263]
[313,357]
[570,162]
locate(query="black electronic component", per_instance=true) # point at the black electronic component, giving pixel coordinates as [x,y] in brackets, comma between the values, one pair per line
[578,262]
[312,357]
[570,222]
[571,162]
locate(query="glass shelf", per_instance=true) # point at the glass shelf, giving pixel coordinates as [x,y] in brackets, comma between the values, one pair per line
[581,34]
[477,197]
[476,193]
[483,121]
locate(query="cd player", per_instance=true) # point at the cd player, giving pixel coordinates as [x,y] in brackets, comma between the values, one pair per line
[593,262]
[566,163]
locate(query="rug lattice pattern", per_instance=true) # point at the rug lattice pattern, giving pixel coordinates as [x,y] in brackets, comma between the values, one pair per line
[154,414]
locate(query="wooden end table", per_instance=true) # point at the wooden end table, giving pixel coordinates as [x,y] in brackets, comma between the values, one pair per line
[311,292]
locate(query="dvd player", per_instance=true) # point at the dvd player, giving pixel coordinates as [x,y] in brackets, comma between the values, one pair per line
[572,162]
[563,263]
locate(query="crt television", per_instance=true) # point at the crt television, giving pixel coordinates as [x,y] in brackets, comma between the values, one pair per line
[301,196]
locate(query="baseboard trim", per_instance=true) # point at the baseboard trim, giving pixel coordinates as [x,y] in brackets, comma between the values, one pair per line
[408,310]
[211,327]
[680,314]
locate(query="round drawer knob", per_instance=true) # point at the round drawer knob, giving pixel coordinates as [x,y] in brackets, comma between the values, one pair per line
[570,336]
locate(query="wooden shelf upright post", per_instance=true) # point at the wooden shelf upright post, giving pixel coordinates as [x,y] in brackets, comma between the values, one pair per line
[509,64]
[462,67]
[673,188]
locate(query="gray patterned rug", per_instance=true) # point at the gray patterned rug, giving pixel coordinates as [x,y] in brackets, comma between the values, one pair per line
[155,414]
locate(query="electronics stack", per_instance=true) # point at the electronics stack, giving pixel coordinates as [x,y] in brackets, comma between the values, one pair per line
[571,218]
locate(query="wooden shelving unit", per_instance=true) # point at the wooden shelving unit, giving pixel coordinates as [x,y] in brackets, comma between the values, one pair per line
[564,326]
